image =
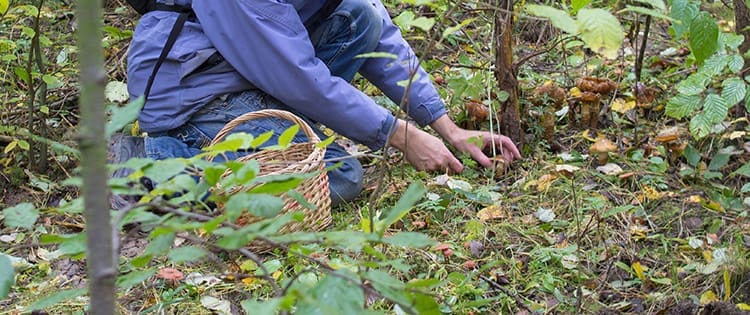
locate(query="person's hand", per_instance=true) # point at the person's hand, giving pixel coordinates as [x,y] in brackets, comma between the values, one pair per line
[424,151]
[474,142]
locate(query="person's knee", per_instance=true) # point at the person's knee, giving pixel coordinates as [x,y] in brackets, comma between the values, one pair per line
[346,181]
[366,17]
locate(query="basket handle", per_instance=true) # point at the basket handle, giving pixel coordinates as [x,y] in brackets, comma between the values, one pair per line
[266,113]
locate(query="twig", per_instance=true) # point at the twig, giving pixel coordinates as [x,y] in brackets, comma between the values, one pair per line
[507,292]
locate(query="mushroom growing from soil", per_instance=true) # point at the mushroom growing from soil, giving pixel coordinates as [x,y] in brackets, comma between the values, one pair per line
[550,97]
[671,139]
[601,149]
[592,91]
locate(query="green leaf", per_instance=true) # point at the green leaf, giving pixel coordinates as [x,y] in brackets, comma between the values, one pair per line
[162,170]
[55,298]
[259,205]
[409,239]
[692,155]
[745,188]
[276,184]
[682,105]
[377,54]
[261,139]
[453,29]
[267,307]
[647,11]
[160,244]
[402,207]
[287,136]
[720,159]
[704,36]
[3,9]
[735,64]
[731,40]
[186,254]
[7,275]
[226,145]
[332,296]
[694,84]
[23,144]
[301,199]
[127,281]
[716,108]
[578,4]
[733,90]
[22,215]
[714,66]
[558,18]
[600,31]
[682,11]
[424,304]
[700,125]
[744,170]
[406,20]
[52,81]
[121,116]
[656,4]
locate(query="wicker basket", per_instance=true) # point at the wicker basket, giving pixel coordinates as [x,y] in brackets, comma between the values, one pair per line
[297,158]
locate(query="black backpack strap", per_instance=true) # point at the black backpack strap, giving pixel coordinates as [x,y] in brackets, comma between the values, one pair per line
[173,34]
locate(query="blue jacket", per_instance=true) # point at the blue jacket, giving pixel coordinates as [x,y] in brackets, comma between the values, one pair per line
[267,46]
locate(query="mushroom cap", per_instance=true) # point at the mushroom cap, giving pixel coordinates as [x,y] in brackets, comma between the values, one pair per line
[669,135]
[596,85]
[549,91]
[602,145]
[590,97]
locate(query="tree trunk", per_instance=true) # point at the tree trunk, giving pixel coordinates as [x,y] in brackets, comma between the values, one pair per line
[742,25]
[509,113]
[102,270]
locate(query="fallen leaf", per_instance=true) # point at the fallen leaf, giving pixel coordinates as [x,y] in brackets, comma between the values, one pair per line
[220,306]
[492,212]
[610,169]
[708,297]
[743,307]
[544,182]
[170,274]
[621,106]
[199,280]
[651,193]
[476,248]
[457,184]
[8,238]
[544,214]
[638,269]
[248,280]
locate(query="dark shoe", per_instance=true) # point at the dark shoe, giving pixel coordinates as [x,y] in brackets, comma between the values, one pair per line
[121,149]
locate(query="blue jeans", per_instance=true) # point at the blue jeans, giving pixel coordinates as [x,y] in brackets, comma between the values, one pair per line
[354,28]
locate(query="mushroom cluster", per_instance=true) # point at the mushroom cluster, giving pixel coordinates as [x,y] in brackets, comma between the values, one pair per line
[592,91]
[550,97]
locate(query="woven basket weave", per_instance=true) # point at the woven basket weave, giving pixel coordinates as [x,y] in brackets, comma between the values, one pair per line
[298,158]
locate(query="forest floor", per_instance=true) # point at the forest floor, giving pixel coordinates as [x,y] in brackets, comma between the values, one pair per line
[647,231]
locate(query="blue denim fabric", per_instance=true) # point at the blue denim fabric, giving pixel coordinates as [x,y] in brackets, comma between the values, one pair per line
[353,29]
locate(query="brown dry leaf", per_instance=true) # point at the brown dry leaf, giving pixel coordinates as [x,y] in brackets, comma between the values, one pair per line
[170,274]
[528,219]
[492,212]
[545,181]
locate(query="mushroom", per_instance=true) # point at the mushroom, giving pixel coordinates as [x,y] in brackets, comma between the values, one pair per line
[593,89]
[547,94]
[671,139]
[601,149]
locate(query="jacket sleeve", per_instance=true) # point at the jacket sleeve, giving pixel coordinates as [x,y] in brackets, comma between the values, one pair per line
[423,103]
[266,42]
